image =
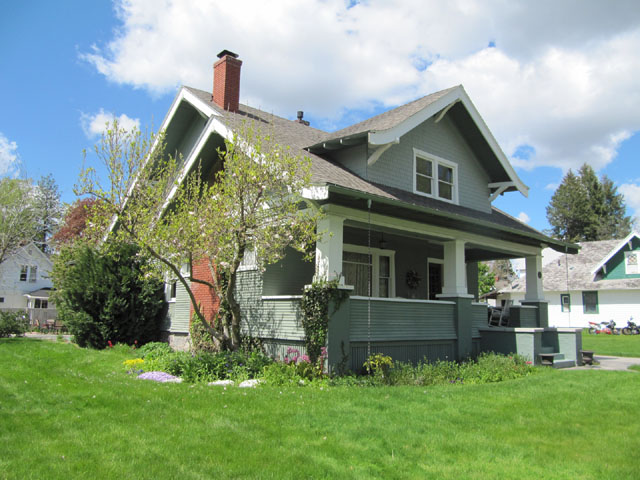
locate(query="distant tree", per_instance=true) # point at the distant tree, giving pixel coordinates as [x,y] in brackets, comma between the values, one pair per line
[503,270]
[17,215]
[486,278]
[49,211]
[585,208]
[75,221]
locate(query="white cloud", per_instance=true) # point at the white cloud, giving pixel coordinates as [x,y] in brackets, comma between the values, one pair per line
[631,192]
[560,79]
[523,217]
[94,125]
[552,186]
[9,160]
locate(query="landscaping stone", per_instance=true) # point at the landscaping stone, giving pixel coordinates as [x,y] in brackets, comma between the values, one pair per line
[253,383]
[221,383]
[161,377]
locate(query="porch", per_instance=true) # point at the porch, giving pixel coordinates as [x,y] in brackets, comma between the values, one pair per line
[412,331]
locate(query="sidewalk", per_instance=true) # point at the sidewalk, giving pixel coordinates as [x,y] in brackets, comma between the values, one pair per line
[610,363]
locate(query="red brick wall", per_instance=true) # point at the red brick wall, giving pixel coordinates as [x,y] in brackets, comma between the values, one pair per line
[204,295]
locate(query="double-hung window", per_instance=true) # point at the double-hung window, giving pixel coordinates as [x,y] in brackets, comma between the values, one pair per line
[24,270]
[590,302]
[369,271]
[565,302]
[435,176]
[33,273]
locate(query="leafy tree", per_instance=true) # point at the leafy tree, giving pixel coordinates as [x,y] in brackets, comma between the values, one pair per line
[48,211]
[107,295]
[17,215]
[251,203]
[585,208]
[486,278]
[75,221]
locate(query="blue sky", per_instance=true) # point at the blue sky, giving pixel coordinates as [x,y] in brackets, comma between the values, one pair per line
[556,86]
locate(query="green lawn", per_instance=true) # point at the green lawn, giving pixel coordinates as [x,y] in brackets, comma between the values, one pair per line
[616,345]
[66,412]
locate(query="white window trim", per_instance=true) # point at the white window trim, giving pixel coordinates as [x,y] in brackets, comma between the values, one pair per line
[636,267]
[435,160]
[376,253]
[250,261]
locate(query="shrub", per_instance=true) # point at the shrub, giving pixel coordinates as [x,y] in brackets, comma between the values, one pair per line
[107,295]
[205,366]
[13,323]
[154,350]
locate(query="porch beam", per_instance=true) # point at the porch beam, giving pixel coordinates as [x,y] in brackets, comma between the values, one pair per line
[445,234]
[535,292]
[329,248]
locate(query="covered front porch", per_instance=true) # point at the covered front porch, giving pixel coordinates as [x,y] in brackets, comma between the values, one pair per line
[414,291]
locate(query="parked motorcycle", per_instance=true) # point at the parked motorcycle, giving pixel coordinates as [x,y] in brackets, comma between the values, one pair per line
[631,328]
[607,328]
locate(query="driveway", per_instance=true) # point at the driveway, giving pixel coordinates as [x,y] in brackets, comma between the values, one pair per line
[611,363]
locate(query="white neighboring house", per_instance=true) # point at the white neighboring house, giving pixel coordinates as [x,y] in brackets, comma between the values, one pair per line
[25,283]
[600,283]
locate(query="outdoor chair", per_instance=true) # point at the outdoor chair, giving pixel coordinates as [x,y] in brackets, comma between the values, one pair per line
[500,315]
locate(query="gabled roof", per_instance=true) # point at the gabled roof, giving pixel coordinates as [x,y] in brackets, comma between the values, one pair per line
[339,179]
[577,272]
[615,250]
[389,126]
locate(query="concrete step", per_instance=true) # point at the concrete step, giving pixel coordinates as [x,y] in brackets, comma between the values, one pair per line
[564,363]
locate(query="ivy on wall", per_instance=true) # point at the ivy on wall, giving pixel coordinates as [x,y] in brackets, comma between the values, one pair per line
[315,302]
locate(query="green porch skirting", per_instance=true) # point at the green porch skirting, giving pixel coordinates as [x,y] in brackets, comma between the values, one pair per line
[409,351]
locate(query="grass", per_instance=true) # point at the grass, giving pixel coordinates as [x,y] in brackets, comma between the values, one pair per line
[616,345]
[66,412]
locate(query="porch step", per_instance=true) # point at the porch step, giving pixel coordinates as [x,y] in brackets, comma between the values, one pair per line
[564,364]
[549,359]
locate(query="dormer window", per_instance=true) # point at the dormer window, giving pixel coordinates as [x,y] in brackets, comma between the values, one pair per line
[435,177]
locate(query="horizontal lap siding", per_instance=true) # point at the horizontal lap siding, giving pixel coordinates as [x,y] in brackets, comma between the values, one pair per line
[177,320]
[394,321]
[480,318]
[528,317]
[279,320]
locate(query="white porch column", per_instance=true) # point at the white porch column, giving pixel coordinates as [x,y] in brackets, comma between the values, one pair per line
[329,248]
[455,271]
[534,291]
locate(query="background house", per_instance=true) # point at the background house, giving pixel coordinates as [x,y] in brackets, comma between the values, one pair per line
[25,283]
[600,283]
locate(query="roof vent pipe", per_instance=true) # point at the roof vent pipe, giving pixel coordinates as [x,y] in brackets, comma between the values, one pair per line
[300,120]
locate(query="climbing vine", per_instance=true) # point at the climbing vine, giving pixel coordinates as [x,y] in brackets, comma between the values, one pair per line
[315,313]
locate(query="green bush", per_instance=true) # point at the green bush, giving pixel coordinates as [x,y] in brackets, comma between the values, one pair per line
[154,350]
[487,368]
[205,366]
[108,295]
[13,323]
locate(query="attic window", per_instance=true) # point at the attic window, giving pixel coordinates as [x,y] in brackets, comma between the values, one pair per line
[631,263]
[435,177]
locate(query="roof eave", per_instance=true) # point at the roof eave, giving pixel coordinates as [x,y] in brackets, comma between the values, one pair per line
[542,239]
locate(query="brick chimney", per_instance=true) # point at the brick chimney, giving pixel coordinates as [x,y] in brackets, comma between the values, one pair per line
[226,81]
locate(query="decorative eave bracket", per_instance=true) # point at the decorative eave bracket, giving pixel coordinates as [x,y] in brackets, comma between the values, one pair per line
[377,153]
[498,189]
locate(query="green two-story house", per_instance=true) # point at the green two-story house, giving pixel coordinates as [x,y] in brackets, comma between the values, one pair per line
[407,197]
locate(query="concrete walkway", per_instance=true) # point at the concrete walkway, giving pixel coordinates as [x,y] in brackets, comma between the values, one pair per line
[47,336]
[610,363]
